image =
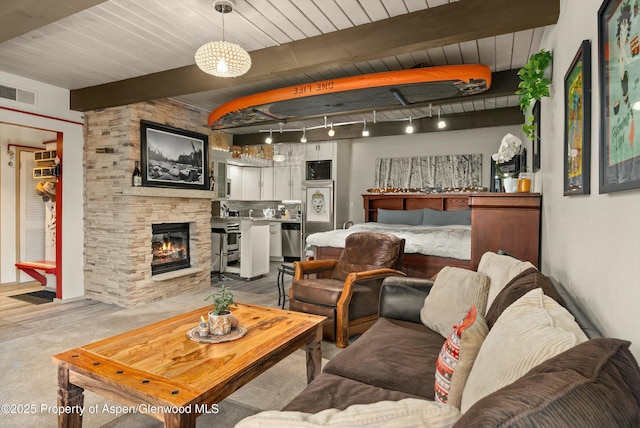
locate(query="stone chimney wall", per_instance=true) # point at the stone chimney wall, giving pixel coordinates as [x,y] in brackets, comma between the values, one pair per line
[118,217]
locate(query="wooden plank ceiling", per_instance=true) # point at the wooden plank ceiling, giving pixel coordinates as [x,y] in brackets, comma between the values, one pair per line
[119,52]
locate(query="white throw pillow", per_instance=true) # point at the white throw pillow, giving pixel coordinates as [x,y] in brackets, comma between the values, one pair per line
[500,269]
[454,291]
[530,331]
[407,413]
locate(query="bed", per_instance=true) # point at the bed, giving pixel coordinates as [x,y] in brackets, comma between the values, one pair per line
[498,221]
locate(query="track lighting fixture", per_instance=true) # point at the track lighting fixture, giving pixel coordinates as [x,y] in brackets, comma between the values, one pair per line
[365,131]
[331,132]
[441,123]
[330,127]
[409,128]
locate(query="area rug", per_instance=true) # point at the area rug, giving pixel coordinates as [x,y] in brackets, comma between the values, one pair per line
[36,297]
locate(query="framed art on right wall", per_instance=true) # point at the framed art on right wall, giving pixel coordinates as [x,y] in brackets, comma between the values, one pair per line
[577,123]
[619,71]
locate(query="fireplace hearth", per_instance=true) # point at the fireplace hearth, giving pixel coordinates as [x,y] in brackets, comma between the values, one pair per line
[170,247]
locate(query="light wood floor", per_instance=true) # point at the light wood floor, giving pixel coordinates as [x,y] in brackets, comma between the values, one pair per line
[18,318]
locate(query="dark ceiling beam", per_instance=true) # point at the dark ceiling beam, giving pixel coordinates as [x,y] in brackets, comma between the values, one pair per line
[18,17]
[433,27]
[472,120]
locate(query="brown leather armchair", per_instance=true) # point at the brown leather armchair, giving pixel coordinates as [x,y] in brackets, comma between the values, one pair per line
[347,290]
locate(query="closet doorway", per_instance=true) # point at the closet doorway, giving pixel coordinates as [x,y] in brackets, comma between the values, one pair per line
[29,207]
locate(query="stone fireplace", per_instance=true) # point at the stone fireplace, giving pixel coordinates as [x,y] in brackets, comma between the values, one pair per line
[120,218]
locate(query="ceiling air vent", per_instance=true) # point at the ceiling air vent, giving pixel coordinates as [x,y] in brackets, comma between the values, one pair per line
[16,94]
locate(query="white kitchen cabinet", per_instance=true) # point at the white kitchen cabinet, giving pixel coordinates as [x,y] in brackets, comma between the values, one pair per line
[296,182]
[275,240]
[319,151]
[266,188]
[235,175]
[251,179]
[251,183]
[287,182]
[281,180]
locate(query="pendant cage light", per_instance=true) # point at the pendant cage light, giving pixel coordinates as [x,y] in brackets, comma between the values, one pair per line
[279,157]
[222,58]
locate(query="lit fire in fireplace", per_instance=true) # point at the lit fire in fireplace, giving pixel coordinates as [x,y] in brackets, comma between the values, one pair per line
[169,247]
[167,251]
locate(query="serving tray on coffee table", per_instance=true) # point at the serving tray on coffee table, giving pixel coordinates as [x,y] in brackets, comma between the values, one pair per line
[235,334]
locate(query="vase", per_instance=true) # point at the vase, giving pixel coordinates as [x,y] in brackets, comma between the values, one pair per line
[510,184]
[219,325]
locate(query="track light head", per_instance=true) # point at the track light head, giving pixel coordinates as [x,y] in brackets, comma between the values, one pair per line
[409,128]
[269,139]
[365,131]
[441,123]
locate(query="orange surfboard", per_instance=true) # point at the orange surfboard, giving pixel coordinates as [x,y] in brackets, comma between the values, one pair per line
[368,91]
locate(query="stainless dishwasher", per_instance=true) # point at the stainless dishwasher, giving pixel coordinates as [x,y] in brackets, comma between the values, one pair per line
[291,241]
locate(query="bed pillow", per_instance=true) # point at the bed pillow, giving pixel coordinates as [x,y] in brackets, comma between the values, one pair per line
[406,413]
[532,330]
[457,356]
[445,218]
[454,291]
[410,217]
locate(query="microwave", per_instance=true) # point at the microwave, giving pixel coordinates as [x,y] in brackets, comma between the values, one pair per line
[318,170]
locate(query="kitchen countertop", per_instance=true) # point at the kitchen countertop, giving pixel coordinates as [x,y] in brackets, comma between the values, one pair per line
[232,219]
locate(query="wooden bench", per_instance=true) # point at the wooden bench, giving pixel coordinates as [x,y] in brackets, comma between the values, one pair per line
[32,268]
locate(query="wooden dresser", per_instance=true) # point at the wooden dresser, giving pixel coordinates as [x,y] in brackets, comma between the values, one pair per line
[505,221]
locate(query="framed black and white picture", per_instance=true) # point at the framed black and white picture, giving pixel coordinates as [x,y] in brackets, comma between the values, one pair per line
[172,157]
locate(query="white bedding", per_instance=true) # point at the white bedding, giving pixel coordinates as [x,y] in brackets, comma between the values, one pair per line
[452,241]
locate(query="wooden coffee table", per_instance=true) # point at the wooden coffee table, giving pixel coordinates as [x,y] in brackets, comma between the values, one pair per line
[159,371]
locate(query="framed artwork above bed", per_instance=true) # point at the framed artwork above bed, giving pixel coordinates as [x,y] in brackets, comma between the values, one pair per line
[429,171]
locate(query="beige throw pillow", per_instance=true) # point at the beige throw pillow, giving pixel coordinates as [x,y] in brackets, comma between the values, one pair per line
[500,269]
[454,291]
[407,413]
[530,331]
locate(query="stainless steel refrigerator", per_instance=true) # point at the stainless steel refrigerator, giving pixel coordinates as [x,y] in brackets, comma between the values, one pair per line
[318,208]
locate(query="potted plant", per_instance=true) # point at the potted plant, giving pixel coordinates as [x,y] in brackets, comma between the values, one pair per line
[534,84]
[220,319]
